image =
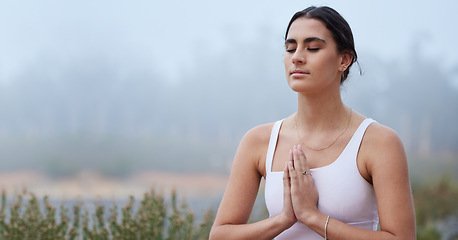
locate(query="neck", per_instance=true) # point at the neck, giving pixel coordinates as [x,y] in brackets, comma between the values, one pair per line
[317,113]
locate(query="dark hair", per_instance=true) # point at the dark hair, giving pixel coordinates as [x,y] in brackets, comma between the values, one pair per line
[336,24]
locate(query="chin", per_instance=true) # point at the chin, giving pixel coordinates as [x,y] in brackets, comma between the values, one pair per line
[299,85]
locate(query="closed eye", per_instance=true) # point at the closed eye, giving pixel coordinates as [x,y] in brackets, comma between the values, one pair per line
[290,50]
[313,49]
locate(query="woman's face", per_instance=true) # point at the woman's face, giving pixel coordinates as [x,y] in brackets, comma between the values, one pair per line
[312,62]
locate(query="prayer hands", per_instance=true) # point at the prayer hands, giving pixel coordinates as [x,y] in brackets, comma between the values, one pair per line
[298,182]
[288,211]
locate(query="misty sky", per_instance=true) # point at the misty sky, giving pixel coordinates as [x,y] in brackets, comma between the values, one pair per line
[72,73]
[168,35]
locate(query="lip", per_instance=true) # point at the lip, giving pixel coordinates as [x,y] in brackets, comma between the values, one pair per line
[298,72]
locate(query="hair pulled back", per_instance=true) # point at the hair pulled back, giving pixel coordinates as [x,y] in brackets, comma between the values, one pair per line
[337,25]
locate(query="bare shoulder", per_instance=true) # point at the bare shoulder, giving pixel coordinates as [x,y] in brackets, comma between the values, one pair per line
[258,135]
[254,145]
[379,137]
[382,147]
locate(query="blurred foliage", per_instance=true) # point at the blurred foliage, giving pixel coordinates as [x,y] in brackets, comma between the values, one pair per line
[26,217]
[151,218]
[85,119]
[435,203]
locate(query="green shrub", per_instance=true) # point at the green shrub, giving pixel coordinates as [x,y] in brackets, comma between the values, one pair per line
[26,217]
[151,218]
[434,203]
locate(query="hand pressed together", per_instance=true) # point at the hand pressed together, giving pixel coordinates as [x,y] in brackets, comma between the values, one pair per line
[301,187]
[287,213]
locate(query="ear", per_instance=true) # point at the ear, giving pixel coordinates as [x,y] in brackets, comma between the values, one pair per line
[345,60]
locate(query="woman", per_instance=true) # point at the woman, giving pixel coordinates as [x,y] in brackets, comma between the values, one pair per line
[330,172]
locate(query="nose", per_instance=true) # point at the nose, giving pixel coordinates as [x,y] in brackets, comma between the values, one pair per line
[298,57]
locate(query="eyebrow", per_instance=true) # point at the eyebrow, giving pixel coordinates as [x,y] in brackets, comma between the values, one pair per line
[307,40]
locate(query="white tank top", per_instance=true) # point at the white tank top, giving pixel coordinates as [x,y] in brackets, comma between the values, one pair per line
[343,193]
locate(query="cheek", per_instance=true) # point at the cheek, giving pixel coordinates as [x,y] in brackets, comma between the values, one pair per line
[329,64]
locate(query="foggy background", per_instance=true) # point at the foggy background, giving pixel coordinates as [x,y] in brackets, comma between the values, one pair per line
[120,88]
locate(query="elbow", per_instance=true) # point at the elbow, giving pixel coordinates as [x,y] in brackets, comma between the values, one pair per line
[410,235]
[214,233]
[221,232]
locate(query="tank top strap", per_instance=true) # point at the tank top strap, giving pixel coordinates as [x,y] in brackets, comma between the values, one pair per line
[362,129]
[272,145]
[355,141]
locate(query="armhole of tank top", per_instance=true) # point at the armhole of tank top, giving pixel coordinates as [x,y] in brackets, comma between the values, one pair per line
[366,123]
[272,145]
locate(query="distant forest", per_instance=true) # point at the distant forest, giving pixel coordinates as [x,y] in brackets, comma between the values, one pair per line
[92,113]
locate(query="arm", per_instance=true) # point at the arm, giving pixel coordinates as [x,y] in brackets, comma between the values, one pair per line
[238,200]
[384,158]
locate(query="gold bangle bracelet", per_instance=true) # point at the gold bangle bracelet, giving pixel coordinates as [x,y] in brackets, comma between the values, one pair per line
[326,228]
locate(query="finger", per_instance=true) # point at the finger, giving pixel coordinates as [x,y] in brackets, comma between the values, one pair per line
[295,156]
[287,200]
[292,175]
[291,157]
[286,180]
[286,170]
[298,160]
[303,159]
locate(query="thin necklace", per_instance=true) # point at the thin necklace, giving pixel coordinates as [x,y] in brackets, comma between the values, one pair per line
[323,148]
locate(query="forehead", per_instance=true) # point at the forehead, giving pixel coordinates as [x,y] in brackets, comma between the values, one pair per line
[303,28]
